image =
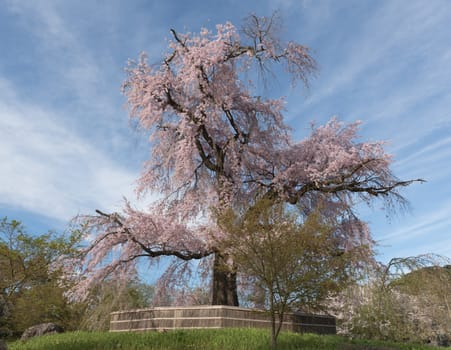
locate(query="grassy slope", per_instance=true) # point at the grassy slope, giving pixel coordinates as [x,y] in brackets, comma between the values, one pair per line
[223,339]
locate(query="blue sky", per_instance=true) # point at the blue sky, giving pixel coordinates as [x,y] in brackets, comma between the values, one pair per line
[66,146]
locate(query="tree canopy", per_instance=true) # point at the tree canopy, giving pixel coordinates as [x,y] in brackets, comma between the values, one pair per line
[29,288]
[405,300]
[295,265]
[215,143]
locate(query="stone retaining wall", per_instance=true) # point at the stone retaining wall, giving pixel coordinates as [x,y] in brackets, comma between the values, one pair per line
[216,316]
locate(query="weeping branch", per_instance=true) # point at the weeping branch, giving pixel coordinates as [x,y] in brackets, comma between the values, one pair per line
[160,250]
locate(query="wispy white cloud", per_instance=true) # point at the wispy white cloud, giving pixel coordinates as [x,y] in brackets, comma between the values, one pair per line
[50,170]
[375,43]
[440,246]
[74,68]
[441,144]
[389,62]
[423,225]
[43,21]
[427,232]
[428,160]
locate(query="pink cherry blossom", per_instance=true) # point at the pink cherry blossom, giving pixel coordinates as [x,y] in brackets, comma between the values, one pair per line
[214,144]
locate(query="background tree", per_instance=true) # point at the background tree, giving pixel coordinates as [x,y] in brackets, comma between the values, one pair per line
[29,290]
[429,288]
[110,296]
[44,302]
[4,317]
[215,142]
[405,300]
[297,263]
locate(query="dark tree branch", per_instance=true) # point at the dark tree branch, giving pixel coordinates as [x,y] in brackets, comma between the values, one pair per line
[150,252]
[351,187]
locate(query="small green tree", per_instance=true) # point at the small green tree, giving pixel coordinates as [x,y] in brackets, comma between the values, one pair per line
[297,263]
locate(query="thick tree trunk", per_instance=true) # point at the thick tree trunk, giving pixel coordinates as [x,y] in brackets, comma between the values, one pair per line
[224,291]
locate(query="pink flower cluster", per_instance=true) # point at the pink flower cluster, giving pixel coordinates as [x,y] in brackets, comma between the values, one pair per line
[214,144]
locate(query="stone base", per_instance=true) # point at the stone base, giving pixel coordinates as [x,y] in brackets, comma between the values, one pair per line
[216,316]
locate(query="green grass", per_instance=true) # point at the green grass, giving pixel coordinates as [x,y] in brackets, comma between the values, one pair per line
[211,339]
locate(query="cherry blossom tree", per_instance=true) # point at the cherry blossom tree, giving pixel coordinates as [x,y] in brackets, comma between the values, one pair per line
[216,143]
